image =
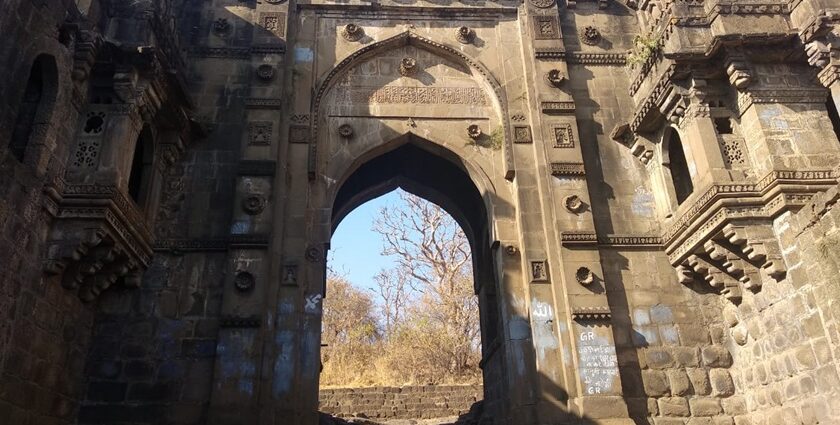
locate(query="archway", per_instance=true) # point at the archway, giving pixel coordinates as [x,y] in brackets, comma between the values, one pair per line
[438,175]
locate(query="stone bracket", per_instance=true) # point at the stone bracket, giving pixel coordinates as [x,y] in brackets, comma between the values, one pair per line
[98,238]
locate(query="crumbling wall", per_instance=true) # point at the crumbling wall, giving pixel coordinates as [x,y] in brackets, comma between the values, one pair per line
[413,402]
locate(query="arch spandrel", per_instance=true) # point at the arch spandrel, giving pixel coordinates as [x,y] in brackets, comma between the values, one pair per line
[446,91]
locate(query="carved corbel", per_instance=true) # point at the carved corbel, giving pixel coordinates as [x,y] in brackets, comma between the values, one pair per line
[759,246]
[622,134]
[716,277]
[739,71]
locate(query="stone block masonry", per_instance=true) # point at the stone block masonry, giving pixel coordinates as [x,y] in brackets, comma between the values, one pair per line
[412,402]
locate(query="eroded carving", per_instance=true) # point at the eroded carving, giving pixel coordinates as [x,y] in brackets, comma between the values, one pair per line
[244,281]
[352,32]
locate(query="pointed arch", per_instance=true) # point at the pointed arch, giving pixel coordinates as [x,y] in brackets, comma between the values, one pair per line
[409,38]
[36,105]
[676,162]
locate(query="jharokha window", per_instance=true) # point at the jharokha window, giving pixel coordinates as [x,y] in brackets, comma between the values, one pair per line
[33,97]
[140,176]
[678,165]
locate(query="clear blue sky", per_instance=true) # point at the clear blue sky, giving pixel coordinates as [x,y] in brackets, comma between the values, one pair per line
[355,249]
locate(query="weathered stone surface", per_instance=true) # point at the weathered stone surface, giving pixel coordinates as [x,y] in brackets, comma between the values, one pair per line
[171,173]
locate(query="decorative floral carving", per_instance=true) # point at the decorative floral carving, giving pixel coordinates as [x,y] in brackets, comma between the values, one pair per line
[573,203]
[290,275]
[465,35]
[313,254]
[511,250]
[555,77]
[584,276]
[542,4]
[254,204]
[244,281]
[265,72]
[474,131]
[259,133]
[539,272]
[408,67]
[352,32]
[221,27]
[546,27]
[564,136]
[522,134]
[590,35]
[94,124]
[345,131]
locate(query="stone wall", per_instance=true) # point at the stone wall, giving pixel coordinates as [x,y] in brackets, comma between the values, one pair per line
[44,331]
[412,402]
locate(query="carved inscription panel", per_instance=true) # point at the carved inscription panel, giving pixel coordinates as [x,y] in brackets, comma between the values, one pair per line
[598,362]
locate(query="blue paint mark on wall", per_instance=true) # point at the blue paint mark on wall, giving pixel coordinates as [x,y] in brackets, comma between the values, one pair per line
[234,352]
[661,314]
[642,204]
[303,54]
[283,364]
[670,336]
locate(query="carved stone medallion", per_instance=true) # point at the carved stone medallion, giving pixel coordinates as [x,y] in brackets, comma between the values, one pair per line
[244,281]
[254,204]
[313,254]
[584,276]
[590,35]
[408,67]
[345,131]
[465,35]
[555,77]
[221,27]
[352,32]
[265,72]
[474,131]
[573,203]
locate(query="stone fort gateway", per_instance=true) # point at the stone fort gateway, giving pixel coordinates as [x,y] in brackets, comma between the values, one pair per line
[649,189]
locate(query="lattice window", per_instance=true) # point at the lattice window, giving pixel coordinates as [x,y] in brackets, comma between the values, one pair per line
[733,151]
[87,153]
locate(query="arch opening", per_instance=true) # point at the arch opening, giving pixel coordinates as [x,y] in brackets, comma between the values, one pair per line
[140,175]
[35,106]
[677,163]
[436,175]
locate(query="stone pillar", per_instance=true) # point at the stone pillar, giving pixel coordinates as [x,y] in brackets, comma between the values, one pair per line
[577,371]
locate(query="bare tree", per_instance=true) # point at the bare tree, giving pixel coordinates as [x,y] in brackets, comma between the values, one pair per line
[433,256]
[395,294]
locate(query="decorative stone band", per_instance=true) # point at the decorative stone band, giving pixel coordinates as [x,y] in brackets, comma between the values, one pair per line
[610,241]
[565,169]
[98,238]
[235,52]
[175,246]
[591,313]
[240,321]
[581,58]
[263,103]
[558,107]
[798,186]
